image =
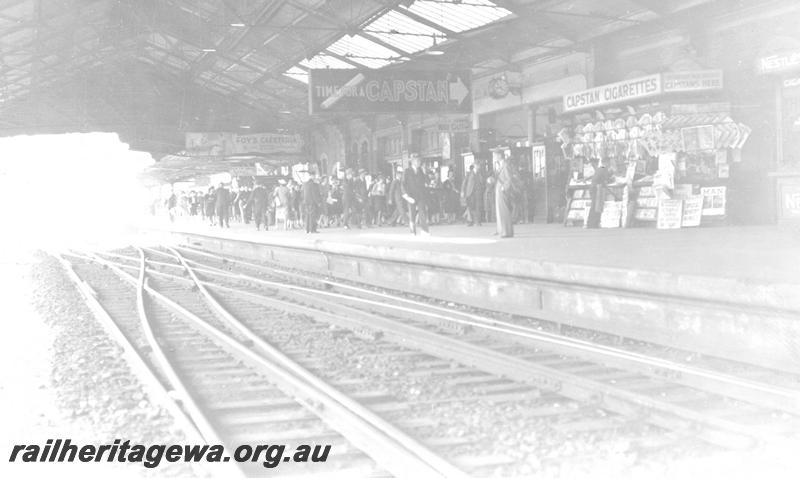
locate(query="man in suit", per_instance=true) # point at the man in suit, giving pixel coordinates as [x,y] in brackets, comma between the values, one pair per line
[416,195]
[312,200]
[350,203]
[258,202]
[472,195]
[222,205]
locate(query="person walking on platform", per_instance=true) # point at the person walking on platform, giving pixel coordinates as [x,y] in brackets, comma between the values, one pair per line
[258,202]
[209,205]
[172,206]
[377,199]
[312,200]
[506,188]
[395,198]
[416,195]
[281,201]
[222,203]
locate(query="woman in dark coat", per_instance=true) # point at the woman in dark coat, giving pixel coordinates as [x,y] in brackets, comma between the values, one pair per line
[452,202]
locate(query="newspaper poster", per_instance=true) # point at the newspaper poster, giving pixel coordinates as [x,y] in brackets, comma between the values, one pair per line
[714,199]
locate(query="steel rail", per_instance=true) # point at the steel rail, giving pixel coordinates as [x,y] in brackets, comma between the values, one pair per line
[751,391]
[388,452]
[660,413]
[425,455]
[667,416]
[177,400]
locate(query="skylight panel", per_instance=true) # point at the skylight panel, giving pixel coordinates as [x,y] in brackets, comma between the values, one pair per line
[296,73]
[459,16]
[324,61]
[402,32]
[363,51]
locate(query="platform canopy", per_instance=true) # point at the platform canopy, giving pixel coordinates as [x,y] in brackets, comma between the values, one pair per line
[152,70]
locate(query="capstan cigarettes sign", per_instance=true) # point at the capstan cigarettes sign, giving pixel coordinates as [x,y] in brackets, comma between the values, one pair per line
[622,91]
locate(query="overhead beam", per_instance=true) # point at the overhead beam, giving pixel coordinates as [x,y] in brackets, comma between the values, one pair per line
[420,19]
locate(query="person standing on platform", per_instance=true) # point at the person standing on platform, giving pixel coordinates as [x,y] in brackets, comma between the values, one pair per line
[597,192]
[488,199]
[395,198]
[349,200]
[245,207]
[416,196]
[222,203]
[258,203]
[451,197]
[312,200]
[470,196]
[505,190]
[362,198]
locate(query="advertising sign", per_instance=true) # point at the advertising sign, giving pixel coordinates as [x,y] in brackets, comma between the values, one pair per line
[692,81]
[389,91]
[779,63]
[266,143]
[790,201]
[220,144]
[628,90]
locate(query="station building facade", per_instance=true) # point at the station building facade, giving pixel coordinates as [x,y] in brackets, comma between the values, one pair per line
[725,106]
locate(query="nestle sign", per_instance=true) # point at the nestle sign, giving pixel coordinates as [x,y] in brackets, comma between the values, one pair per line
[779,63]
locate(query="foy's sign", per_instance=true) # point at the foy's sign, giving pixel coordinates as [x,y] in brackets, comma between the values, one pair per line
[384,91]
[220,144]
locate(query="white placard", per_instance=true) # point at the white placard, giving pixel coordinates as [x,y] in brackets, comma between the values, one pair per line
[670,213]
[692,211]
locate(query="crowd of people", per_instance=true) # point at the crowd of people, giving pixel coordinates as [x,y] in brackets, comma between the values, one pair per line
[414,197]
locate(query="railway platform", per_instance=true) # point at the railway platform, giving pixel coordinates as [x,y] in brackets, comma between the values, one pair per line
[705,290]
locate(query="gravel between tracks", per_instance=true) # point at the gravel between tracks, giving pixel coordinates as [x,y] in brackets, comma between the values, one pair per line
[93,385]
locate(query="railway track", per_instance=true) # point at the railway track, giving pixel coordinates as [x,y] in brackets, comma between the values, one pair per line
[584,387]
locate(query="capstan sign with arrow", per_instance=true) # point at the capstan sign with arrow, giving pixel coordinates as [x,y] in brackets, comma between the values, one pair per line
[389,91]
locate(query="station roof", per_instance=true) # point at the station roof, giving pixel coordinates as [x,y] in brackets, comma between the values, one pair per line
[154,69]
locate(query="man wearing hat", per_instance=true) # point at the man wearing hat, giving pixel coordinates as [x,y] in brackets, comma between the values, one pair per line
[312,200]
[362,193]
[349,199]
[415,195]
[222,203]
[258,202]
